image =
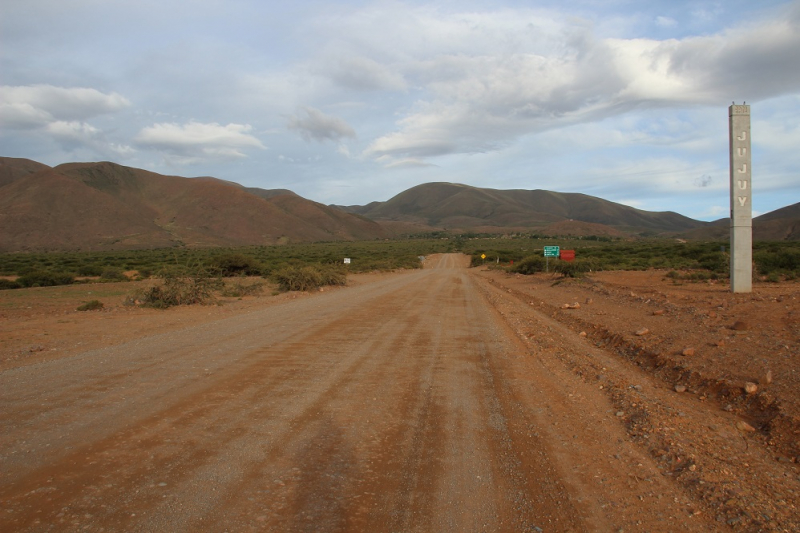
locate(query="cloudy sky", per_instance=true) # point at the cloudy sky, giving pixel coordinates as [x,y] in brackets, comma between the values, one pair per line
[353,101]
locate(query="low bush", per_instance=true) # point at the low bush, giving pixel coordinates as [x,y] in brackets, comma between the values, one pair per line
[44,278]
[91,306]
[235,264]
[239,288]
[530,265]
[292,278]
[196,288]
[8,284]
[573,269]
[90,270]
[113,274]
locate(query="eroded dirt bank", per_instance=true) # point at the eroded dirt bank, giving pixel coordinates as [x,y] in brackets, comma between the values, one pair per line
[435,400]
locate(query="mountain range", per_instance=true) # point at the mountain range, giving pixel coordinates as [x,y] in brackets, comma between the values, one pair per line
[106,206]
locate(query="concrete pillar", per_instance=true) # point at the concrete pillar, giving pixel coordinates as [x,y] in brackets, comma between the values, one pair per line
[741,199]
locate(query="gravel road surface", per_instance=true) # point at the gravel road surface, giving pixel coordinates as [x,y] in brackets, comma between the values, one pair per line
[403,404]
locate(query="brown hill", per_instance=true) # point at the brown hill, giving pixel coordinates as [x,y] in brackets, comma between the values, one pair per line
[576,228]
[101,206]
[14,168]
[779,225]
[454,206]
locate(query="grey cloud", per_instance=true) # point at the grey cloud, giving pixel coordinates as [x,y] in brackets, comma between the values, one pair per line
[703,181]
[364,74]
[755,63]
[480,103]
[320,127]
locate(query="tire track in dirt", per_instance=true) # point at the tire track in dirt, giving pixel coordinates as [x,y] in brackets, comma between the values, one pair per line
[407,404]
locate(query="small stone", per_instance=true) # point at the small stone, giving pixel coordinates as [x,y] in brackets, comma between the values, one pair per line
[741,425]
[750,387]
[739,325]
[619,414]
[582,334]
[720,343]
[687,352]
[768,377]
[642,331]
[680,388]
[589,300]
[658,312]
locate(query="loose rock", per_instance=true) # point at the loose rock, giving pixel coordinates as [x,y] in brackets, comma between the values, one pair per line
[642,331]
[687,352]
[750,387]
[739,325]
[741,425]
[680,388]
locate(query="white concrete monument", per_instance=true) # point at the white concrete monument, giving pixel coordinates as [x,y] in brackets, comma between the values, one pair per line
[741,199]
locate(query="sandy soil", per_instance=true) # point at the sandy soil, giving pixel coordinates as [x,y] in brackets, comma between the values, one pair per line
[447,399]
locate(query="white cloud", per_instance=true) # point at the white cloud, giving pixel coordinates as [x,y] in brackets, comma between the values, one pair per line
[474,102]
[666,22]
[61,114]
[22,116]
[196,141]
[38,104]
[320,127]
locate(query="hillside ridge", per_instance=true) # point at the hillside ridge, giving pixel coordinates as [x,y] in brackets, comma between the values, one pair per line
[108,206]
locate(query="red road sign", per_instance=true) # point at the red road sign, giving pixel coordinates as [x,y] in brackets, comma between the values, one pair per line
[567,255]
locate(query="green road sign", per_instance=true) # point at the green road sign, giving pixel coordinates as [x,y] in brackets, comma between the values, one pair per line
[551,251]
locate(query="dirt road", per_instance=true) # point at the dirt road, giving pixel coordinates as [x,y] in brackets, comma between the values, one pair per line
[405,404]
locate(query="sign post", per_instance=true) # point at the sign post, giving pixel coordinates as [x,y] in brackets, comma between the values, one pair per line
[550,251]
[741,199]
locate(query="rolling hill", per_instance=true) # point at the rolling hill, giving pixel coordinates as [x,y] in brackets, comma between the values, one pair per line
[454,206]
[779,225]
[105,206]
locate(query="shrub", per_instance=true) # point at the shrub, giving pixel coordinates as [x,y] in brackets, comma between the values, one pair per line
[91,306]
[334,277]
[292,278]
[8,284]
[238,289]
[90,270]
[234,264]
[779,261]
[44,278]
[197,288]
[530,265]
[718,262]
[113,274]
[573,269]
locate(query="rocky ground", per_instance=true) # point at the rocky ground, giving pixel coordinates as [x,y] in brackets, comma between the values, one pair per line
[733,358]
